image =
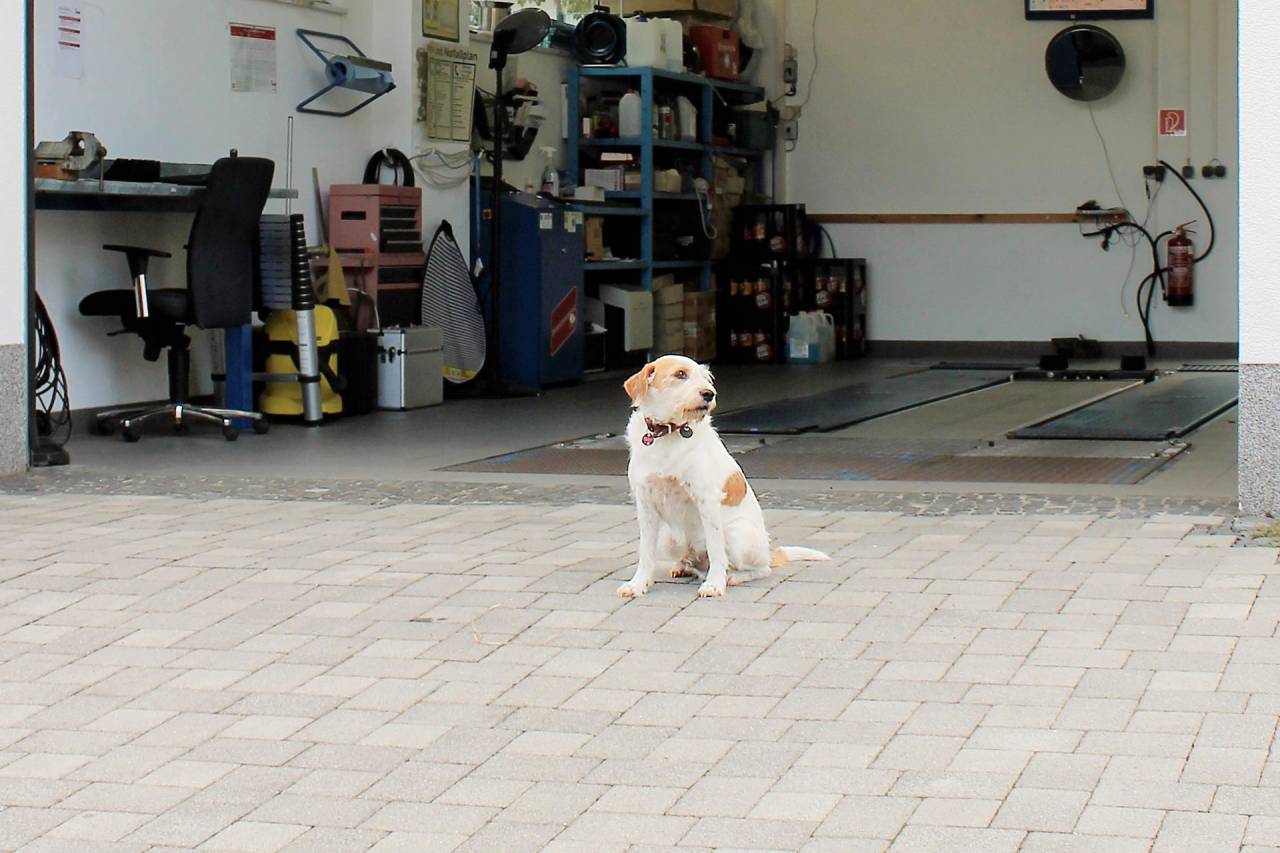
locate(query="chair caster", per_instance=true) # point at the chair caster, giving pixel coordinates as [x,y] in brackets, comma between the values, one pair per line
[130,434]
[261,426]
[181,429]
[230,433]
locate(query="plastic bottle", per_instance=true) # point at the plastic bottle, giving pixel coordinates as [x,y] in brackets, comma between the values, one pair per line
[687,119]
[629,115]
[826,326]
[803,341]
[550,175]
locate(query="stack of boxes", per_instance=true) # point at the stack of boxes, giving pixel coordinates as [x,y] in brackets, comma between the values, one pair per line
[668,315]
[700,325]
[684,319]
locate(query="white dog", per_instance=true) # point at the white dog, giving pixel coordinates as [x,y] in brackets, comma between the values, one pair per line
[695,507]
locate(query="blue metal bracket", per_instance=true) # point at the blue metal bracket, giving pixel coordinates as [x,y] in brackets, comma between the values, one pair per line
[353,71]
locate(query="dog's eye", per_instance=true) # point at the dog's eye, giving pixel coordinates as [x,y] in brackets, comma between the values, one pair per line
[680,374]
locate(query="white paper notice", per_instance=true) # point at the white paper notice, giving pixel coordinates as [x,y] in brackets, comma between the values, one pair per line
[70,33]
[253,58]
[445,98]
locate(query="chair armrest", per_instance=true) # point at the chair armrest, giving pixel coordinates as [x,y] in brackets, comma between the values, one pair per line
[137,258]
[140,251]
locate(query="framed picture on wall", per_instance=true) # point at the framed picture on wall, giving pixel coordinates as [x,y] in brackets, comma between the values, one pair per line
[440,19]
[1088,10]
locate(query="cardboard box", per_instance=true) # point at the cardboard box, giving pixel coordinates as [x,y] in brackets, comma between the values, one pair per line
[701,347]
[594,228]
[667,181]
[717,8]
[666,291]
[667,314]
[700,306]
[722,208]
[669,326]
[607,179]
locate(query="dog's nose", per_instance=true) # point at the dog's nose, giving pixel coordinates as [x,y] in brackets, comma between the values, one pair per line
[708,396]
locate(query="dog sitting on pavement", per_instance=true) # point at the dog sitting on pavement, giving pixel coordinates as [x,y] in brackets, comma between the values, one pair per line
[696,510]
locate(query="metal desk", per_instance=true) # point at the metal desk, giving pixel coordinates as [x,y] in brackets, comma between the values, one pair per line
[128,196]
[160,197]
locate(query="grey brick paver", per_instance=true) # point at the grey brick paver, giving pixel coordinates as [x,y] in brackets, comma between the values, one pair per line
[221,674]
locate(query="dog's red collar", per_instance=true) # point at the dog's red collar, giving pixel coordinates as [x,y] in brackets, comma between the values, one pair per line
[657,431]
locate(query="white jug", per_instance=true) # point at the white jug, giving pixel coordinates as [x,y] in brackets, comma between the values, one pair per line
[629,115]
[804,344]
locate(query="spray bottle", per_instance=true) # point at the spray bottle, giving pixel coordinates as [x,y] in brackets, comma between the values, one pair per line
[550,176]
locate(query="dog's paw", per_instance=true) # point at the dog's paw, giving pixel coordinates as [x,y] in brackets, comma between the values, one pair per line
[681,571]
[710,590]
[630,589]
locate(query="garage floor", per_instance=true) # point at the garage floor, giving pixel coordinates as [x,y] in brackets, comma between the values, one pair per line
[450,442]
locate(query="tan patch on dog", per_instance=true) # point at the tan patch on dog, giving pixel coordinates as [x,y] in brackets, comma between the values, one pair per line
[664,372]
[777,557]
[735,489]
[638,384]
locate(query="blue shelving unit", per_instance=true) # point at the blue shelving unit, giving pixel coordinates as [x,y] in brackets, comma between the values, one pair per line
[641,205]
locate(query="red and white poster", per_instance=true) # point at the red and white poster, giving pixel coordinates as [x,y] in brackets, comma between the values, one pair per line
[1173,122]
[253,58]
[70,32]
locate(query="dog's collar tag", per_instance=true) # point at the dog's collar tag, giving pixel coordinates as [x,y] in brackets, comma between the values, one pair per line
[657,431]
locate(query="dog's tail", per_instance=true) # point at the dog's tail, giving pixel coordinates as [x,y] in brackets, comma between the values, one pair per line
[784,554]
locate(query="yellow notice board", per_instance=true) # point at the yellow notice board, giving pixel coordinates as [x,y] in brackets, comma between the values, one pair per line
[446,88]
[440,19]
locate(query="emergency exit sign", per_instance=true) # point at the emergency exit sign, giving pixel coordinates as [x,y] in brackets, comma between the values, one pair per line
[1173,122]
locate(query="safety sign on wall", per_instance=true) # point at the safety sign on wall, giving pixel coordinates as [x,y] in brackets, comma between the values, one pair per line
[253,58]
[1173,122]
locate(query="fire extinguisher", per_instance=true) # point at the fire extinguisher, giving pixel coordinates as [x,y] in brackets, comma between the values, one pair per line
[1181,259]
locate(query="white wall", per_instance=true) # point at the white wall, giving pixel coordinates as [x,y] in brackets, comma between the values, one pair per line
[922,106]
[397,36]
[1260,184]
[156,85]
[13,163]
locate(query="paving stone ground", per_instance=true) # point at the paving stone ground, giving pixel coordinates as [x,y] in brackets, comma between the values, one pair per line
[260,675]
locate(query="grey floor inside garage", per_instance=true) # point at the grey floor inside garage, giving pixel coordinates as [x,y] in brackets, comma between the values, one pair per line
[416,446]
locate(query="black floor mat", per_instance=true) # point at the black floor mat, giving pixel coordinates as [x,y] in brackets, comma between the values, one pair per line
[856,403]
[826,458]
[1169,407]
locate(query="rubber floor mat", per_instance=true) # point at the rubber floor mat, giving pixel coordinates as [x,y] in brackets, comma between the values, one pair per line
[768,465]
[1169,407]
[856,403]
[820,458]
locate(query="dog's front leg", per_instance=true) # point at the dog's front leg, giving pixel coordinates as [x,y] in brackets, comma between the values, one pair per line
[645,566]
[717,559]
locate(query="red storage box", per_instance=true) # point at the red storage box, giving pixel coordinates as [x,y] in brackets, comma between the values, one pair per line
[718,49]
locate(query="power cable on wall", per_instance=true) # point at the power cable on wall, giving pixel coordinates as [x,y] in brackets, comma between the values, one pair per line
[813,69]
[1106,155]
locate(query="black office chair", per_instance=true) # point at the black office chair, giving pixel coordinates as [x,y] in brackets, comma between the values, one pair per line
[219,295]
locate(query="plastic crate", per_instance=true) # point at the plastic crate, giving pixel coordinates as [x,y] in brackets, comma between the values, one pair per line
[838,286]
[752,299]
[770,232]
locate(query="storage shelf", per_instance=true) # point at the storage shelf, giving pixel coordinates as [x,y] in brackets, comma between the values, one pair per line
[635,194]
[735,86]
[632,142]
[680,265]
[734,151]
[609,210]
[605,266]
[650,155]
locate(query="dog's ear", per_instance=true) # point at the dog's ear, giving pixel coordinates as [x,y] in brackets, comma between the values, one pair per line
[638,384]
